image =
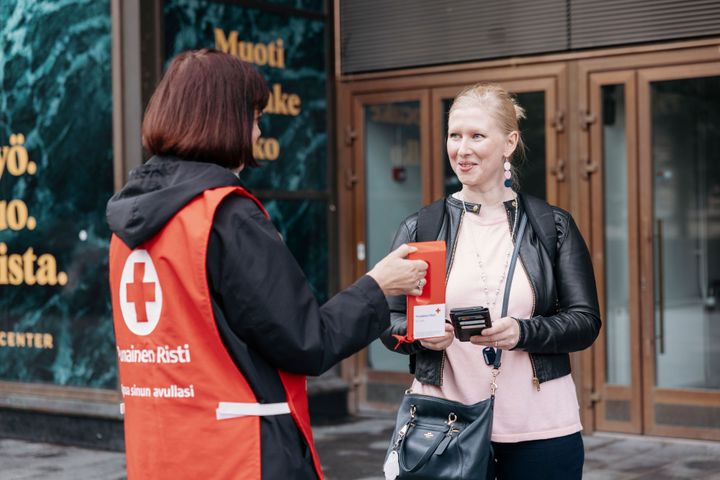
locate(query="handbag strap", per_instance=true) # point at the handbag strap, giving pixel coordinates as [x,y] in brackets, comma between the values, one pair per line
[424,459]
[508,285]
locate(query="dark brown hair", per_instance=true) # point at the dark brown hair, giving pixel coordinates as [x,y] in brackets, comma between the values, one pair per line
[203,109]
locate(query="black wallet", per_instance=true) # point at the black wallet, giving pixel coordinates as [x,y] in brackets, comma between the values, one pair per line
[469,321]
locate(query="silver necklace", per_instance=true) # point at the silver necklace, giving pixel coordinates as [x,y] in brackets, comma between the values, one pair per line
[483,272]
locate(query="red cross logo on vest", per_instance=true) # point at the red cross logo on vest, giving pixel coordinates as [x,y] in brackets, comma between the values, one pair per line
[140,293]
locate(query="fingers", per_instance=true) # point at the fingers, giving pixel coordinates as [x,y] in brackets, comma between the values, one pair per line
[397,275]
[439,343]
[403,251]
[504,343]
[416,292]
[504,334]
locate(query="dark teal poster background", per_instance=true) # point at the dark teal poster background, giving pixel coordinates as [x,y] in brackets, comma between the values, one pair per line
[56,171]
[289,50]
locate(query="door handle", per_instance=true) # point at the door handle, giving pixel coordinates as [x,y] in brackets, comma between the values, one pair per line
[661,286]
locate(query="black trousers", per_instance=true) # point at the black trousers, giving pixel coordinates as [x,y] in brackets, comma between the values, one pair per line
[559,458]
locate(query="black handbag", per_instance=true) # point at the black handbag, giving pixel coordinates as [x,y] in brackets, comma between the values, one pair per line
[435,438]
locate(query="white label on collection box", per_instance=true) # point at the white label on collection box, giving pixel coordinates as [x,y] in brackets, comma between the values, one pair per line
[429,321]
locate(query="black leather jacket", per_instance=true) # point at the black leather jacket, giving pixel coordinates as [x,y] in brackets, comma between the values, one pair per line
[565,316]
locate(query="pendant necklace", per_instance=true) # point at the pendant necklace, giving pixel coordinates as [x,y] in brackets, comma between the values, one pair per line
[481,265]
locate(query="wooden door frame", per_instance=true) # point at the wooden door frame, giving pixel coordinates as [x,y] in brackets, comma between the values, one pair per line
[632,392]
[662,395]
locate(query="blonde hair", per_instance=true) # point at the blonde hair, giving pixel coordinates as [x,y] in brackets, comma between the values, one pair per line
[502,106]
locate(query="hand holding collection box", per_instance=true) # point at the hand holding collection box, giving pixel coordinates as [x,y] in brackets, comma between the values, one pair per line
[426,312]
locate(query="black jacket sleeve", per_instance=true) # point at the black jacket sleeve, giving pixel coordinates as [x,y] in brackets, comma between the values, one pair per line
[398,304]
[269,305]
[576,322]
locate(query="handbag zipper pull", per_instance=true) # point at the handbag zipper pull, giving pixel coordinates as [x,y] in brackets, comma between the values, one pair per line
[452,418]
[401,434]
[445,441]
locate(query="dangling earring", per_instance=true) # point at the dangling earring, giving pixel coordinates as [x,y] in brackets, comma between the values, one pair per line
[508,174]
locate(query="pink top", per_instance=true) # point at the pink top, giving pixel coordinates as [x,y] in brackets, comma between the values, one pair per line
[521,411]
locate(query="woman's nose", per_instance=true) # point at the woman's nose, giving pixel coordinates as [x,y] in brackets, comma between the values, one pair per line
[463,147]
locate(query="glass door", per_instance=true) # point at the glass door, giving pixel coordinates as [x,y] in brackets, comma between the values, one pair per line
[614,197]
[393,181]
[679,127]
[654,155]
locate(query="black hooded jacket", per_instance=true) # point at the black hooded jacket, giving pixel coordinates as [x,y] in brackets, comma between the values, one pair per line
[264,309]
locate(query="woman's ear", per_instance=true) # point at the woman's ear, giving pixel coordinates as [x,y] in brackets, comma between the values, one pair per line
[511,142]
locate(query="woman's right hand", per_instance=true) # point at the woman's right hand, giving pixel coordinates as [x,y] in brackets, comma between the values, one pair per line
[396,275]
[440,343]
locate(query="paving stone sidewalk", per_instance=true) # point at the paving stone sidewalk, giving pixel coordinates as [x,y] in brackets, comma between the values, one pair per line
[354,450]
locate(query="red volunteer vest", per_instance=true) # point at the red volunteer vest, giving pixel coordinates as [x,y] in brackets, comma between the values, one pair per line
[174,369]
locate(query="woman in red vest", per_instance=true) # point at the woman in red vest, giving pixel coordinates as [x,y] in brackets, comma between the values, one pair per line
[215,323]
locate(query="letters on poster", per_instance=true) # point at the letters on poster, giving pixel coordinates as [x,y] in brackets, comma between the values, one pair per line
[280,102]
[25,267]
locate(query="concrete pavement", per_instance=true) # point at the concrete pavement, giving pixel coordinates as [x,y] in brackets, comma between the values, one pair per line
[354,450]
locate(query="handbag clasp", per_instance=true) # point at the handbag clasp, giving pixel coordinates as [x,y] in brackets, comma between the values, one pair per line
[493,384]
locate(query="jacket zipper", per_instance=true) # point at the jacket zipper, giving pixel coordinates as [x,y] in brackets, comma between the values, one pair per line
[535,380]
[447,277]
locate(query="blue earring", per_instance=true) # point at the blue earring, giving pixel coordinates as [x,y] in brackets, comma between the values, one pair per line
[508,174]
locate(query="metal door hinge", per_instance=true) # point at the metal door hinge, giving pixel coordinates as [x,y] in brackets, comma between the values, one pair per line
[559,121]
[586,119]
[350,178]
[588,167]
[595,397]
[559,170]
[350,135]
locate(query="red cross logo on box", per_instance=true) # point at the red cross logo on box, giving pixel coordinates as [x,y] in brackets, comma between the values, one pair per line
[140,293]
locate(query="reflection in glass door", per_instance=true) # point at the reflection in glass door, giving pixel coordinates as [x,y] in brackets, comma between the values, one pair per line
[686,200]
[392,166]
[684,147]
[393,190]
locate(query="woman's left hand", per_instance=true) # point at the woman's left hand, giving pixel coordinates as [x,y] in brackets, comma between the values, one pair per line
[505,334]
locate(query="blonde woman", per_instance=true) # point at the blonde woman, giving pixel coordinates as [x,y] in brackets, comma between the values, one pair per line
[552,308]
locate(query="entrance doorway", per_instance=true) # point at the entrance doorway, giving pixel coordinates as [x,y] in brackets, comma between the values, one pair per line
[655,209]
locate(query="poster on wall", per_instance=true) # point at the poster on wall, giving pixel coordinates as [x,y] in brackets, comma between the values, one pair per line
[56,175]
[287,46]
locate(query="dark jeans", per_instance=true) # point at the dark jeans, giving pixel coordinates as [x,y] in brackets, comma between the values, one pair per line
[559,458]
